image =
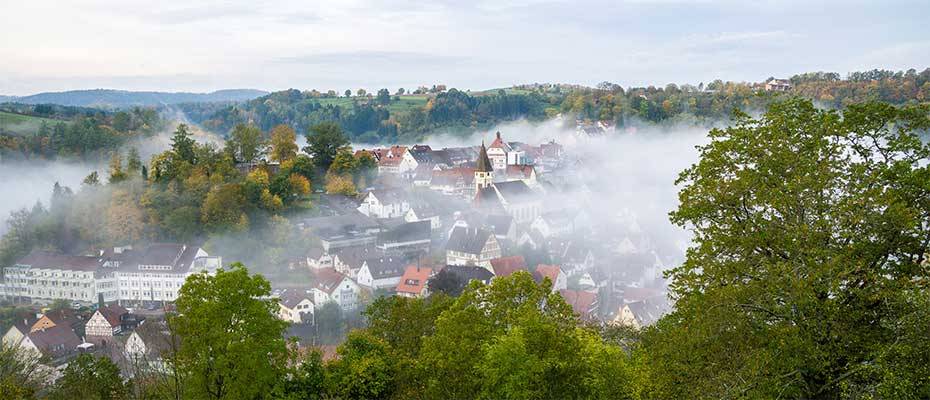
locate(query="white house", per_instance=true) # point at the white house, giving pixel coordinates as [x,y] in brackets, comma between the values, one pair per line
[296,305]
[331,285]
[106,321]
[472,246]
[389,203]
[157,272]
[44,275]
[497,153]
[382,272]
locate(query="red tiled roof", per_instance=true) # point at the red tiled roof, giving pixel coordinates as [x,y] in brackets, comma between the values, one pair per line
[414,279]
[582,302]
[112,313]
[328,279]
[505,266]
[547,271]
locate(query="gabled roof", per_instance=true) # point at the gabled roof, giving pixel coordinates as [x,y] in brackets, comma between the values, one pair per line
[354,256]
[487,199]
[484,163]
[547,271]
[178,257]
[506,266]
[50,260]
[389,196]
[327,279]
[414,279]
[582,302]
[499,143]
[65,317]
[293,296]
[468,240]
[113,313]
[513,191]
[55,339]
[386,267]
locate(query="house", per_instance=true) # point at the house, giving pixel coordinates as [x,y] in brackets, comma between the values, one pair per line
[394,160]
[148,342]
[472,246]
[64,317]
[554,274]
[584,303]
[330,285]
[424,213]
[348,260]
[44,275]
[17,332]
[106,321]
[468,273]
[497,153]
[156,272]
[296,305]
[563,222]
[506,266]
[56,343]
[387,203]
[777,85]
[414,282]
[382,272]
[410,237]
[521,172]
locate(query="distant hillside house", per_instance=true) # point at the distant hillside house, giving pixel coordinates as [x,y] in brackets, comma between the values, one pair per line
[777,85]
[472,246]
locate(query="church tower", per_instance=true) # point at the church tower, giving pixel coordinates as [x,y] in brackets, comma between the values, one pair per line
[484,171]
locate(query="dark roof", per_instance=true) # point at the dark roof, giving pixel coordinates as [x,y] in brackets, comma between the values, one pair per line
[354,256]
[156,336]
[291,297]
[407,232]
[64,317]
[512,190]
[327,279]
[175,255]
[386,267]
[55,341]
[113,313]
[48,259]
[468,240]
[470,273]
[487,199]
[483,163]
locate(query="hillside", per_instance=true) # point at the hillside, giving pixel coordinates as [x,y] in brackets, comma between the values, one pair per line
[107,98]
[19,124]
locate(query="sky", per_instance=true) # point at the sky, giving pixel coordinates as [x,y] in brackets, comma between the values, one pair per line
[180,45]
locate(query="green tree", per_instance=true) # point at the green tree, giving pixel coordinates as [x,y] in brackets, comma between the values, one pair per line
[92,179]
[246,143]
[232,344]
[323,142]
[116,169]
[365,368]
[384,97]
[182,145]
[21,374]
[283,143]
[808,269]
[223,208]
[308,380]
[344,163]
[89,377]
[133,161]
[348,93]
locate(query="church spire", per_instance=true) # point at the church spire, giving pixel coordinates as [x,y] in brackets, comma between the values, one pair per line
[484,163]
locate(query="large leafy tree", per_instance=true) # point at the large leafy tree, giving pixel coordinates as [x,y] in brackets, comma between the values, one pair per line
[246,143]
[232,343]
[283,143]
[93,378]
[323,142]
[808,274]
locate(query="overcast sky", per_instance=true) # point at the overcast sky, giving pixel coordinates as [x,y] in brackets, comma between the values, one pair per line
[172,45]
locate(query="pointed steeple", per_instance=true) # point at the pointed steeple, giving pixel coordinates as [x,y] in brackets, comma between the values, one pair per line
[484,163]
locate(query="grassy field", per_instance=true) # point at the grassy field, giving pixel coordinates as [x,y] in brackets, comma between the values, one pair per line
[22,124]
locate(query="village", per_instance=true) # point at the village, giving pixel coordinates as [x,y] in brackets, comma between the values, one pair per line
[432,221]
